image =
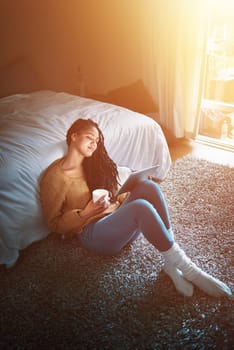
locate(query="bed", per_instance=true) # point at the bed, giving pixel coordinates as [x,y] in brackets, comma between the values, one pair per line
[32,135]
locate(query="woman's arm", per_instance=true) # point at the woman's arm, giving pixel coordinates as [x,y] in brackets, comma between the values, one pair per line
[52,201]
[53,191]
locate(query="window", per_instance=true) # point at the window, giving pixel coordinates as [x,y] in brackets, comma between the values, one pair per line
[217,110]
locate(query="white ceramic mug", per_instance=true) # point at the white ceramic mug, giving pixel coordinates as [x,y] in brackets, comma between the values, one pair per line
[98,193]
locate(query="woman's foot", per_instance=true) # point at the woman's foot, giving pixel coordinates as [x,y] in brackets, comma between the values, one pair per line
[177,258]
[181,284]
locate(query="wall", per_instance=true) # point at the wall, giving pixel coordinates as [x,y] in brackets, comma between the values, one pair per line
[95,48]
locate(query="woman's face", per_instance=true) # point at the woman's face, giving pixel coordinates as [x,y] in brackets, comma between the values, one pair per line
[87,141]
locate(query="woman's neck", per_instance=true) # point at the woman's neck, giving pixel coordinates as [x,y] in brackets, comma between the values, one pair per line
[72,161]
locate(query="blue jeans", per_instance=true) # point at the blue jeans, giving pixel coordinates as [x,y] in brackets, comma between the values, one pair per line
[145,210]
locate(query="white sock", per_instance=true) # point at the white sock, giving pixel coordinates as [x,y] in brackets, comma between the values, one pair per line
[181,284]
[176,256]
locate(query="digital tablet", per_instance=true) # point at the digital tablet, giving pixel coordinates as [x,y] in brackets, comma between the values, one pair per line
[137,176]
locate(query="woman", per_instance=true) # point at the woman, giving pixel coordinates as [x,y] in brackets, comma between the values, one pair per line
[105,228]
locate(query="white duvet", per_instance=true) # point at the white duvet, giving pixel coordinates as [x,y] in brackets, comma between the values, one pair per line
[32,135]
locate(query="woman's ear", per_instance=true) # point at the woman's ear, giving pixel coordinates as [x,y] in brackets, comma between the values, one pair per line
[73,136]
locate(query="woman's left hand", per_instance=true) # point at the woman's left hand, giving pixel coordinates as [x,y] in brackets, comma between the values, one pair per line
[155,179]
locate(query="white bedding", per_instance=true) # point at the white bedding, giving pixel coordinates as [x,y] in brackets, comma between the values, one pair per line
[32,135]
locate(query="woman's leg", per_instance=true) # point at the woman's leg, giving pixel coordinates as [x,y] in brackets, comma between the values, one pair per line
[110,234]
[176,259]
[151,191]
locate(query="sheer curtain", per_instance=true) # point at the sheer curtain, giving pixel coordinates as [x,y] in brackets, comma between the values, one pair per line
[177,34]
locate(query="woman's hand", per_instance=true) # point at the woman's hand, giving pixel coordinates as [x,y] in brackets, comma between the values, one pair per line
[155,179]
[92,208]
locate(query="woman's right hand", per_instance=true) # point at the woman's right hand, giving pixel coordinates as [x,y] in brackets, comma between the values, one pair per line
[96,208]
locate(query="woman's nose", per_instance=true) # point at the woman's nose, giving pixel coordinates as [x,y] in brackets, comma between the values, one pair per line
[94,143]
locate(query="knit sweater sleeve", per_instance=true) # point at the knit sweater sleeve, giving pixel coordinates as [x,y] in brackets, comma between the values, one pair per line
[53,196]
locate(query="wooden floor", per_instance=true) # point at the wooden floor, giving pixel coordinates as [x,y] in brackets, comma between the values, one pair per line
[201,151]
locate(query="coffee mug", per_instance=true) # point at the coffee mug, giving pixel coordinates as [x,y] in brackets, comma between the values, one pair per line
[100,192]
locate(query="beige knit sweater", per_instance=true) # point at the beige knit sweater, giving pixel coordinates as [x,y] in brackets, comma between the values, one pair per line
[62,197]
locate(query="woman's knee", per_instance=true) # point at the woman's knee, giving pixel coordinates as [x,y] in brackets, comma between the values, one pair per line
[153,184]
[141,206]
[149,186]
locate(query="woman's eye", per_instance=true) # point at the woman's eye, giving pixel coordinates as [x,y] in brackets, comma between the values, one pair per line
[92,139]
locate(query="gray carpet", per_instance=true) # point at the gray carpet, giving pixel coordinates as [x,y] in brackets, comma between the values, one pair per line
[58,296]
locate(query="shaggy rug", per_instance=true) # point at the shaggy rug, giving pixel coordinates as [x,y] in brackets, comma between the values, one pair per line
[59,296]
